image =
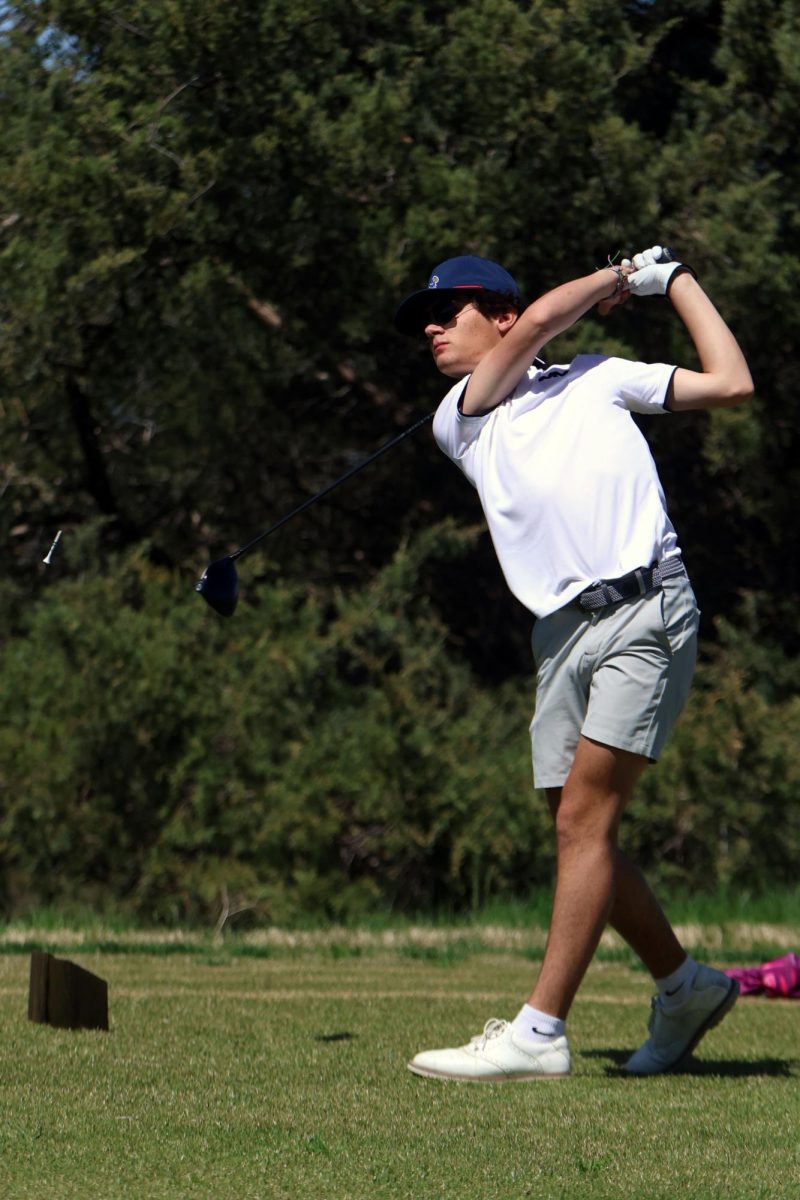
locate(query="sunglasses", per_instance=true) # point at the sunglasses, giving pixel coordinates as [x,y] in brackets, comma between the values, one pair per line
[442,310]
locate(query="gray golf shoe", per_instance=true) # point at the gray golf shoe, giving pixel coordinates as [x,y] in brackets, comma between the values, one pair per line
[674,1033]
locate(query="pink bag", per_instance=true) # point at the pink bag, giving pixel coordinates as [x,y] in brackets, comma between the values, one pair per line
[779,978]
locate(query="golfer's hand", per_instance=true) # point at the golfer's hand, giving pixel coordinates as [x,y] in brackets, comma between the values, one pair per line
[649,273]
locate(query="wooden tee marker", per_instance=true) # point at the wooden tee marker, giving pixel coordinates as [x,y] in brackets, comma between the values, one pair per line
[65,995]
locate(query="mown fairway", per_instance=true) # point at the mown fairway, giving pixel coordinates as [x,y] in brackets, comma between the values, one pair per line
[231,1077]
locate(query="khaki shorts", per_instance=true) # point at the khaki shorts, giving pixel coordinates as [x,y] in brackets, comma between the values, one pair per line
[619,676]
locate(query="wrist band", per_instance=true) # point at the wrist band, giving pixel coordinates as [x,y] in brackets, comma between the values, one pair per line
[620,281]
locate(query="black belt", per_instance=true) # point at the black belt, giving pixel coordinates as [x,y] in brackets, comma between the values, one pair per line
[636,583]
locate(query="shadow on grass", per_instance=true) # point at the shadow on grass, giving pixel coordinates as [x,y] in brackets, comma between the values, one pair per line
[781,1068]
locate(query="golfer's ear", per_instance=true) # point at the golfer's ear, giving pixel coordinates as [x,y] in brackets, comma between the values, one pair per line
[507,319]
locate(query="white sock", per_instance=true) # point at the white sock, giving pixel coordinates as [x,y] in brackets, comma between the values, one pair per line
[536,1026]
[675,988]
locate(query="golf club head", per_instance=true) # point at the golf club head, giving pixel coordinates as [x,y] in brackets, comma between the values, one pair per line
[219,586]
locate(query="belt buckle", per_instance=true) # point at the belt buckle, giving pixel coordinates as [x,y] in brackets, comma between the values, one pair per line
[597,602]
[605,588]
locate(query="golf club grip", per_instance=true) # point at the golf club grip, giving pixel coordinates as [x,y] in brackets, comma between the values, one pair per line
[326,490]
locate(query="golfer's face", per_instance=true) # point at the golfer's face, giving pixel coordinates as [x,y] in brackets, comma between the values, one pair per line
[458,335]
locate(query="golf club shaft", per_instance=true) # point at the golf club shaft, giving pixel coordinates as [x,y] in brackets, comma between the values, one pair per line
[348,475]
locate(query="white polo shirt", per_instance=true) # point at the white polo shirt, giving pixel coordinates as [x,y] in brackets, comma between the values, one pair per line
[566,479]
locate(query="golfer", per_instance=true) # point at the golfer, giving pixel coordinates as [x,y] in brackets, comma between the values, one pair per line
[578,520]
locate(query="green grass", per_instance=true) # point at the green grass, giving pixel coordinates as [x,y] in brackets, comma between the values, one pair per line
[779,906]
[227,1076]
[728,928]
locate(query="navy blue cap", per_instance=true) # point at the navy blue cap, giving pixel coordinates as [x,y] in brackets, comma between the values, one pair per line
[466,271]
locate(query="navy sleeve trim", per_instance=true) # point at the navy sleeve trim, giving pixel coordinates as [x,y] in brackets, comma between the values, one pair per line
[669,392]
[473,416]
[539,363]
[460,402]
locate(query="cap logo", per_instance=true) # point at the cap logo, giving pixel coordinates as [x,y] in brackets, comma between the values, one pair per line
[434,281]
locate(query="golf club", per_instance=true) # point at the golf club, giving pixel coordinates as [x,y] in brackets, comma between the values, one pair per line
[219,583]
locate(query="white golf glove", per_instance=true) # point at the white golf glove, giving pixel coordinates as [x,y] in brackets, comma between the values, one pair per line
[653,272]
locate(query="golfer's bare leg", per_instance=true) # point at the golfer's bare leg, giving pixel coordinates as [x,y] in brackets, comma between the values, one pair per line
[636,914]
[587,818]
[639,919]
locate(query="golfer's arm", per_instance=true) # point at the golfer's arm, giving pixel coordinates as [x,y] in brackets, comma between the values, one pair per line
[499,371]
[724,378]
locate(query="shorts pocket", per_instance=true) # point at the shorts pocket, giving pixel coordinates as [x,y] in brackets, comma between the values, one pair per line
[680,615]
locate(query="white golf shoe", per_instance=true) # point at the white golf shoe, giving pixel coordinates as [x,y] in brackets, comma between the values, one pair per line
[496,1056]
[675,1032]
